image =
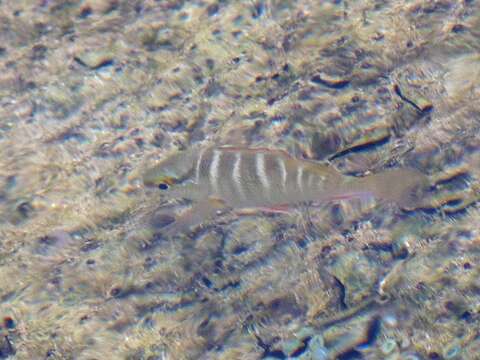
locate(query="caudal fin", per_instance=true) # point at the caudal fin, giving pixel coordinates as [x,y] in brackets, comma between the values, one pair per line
[405,187]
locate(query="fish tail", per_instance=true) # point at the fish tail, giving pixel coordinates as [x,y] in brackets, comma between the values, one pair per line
[405,187]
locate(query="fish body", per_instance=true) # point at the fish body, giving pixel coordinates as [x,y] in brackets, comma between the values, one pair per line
[267,178]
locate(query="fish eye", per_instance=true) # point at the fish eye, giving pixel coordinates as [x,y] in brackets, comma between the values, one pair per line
[163,186]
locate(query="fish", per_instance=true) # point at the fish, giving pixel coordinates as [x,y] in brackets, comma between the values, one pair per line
[226,177]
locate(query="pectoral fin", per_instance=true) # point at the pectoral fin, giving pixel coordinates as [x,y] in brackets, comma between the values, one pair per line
[194,216]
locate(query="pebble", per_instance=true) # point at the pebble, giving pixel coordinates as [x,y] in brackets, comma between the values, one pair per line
[413,97]
[330,81]
[95,59]
[356,274]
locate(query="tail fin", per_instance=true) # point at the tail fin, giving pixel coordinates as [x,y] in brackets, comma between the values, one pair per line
[405,187]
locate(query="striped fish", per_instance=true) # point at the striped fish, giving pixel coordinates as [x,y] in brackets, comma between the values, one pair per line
[233,177]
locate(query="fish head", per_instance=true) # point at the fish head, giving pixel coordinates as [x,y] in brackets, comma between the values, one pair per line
[171,172]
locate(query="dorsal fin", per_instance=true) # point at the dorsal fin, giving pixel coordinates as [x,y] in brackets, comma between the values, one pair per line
[255,149]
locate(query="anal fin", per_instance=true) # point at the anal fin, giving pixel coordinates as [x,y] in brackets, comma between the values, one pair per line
[277,209]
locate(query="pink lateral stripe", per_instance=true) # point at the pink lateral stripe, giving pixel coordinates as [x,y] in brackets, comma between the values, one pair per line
[348,196]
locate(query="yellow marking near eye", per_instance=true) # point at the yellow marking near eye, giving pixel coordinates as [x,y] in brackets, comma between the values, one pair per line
[167,180]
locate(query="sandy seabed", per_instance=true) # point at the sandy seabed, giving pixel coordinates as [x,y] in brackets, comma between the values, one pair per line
[92,92]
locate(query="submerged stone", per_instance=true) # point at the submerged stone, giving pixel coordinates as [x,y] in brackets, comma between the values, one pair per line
[325,143]
[413,97]
[6,348]
[388,346]
[356,274]
[331,81]
[95,59]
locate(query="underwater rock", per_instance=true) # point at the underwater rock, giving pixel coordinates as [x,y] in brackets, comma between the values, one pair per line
[6,348]
[317,348]
[52,243]
[61,98]
[175,74]
[39,52]
[25,209]
[347,342]
[401,246]
[155,38]
[388,346]
[413,86]
[356,274]
[367,140]
[368,73]
[250,239]
[325,143]
[292,346]
[463,76]
[405,118]
[452,352]
[331,81]
[95,58]
[413,97]
[101,6]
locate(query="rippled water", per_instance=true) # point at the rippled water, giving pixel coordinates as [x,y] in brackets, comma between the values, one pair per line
[93,92]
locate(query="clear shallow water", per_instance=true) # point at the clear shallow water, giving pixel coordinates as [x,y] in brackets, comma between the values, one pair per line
[93,92]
